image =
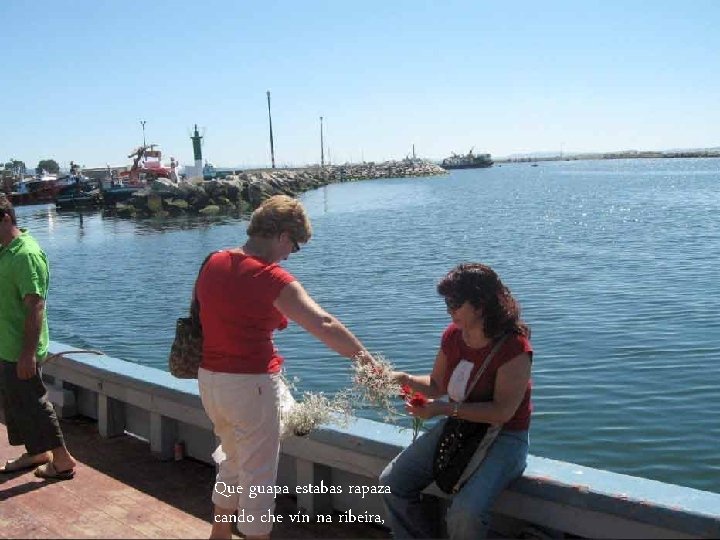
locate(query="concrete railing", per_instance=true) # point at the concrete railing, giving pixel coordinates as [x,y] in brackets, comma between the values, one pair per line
[557,496]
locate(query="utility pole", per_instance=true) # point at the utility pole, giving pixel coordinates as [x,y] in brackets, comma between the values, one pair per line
[142,123]
[272,145]
[322,145]
[413,151]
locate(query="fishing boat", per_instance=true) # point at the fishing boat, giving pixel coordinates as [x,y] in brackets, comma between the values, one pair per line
[82,195]
[40,189]
[147,167]
[468,161]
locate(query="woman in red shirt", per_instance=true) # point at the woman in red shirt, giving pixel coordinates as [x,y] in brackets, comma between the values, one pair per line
[484,314]
[244,296]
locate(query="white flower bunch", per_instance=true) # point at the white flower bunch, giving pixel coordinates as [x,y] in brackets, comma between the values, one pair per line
[373,385]
[315,408]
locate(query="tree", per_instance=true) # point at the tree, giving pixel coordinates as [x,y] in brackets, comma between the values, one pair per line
[49,165]
[15,165]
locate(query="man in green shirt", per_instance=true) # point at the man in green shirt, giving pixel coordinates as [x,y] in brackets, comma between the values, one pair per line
[29,416]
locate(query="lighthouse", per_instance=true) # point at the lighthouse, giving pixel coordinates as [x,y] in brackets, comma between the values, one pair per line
[197,170]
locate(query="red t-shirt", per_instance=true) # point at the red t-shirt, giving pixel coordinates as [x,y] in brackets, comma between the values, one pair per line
[455,350]
[236,293]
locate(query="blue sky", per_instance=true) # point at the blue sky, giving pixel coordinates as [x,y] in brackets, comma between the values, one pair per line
[78,76]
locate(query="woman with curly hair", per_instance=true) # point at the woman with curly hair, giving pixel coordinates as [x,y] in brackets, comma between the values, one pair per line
[485,324]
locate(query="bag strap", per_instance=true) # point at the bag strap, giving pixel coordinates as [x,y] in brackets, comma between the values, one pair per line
[194,304]
[485,365]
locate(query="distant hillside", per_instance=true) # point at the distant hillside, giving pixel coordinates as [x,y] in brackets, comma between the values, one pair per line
[620,154]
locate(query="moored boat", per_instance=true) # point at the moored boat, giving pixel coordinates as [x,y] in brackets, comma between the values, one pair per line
[83,193]
[147,166]
[468,161]
[117,194]
[40,189]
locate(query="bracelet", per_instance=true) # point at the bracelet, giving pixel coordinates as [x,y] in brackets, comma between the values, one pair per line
[456,405]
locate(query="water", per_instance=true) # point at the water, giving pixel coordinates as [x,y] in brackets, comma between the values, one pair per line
[615,264]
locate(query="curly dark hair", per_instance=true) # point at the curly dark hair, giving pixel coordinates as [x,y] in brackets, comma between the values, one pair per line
[480,285]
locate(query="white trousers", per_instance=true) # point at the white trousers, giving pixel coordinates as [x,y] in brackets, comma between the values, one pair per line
[244,410]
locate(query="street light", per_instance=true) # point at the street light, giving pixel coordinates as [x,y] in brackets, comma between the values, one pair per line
[272,145]
[142,123]
[322,149]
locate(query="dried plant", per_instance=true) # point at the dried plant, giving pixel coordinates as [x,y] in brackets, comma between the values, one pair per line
[301,417]
[374,385]
[316,409]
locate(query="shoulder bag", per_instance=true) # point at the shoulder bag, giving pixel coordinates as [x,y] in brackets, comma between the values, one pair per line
[186,350]
[464,444]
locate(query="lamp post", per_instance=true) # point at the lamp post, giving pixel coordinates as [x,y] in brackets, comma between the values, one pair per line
[322,145]
[142,123]
[272,146]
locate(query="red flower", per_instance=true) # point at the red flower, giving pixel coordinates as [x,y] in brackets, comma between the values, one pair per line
[415,399]
[418,399]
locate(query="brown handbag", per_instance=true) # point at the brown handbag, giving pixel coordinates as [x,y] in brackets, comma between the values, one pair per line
[186,350]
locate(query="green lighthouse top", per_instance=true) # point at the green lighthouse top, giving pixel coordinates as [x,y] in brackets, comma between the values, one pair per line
[197,150]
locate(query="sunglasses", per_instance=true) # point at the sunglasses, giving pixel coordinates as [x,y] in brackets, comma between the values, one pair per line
[296,246]
[453,304]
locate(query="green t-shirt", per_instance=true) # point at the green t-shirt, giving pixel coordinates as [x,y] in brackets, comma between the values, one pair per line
[24,270]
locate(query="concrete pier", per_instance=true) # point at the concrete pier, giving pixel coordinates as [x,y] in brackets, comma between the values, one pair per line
[560,497]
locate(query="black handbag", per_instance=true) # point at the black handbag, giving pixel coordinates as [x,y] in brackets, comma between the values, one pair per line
[463,444]
[186,350]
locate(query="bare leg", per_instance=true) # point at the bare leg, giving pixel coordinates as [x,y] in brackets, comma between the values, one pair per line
[222,528]
[62,460]
[42,457]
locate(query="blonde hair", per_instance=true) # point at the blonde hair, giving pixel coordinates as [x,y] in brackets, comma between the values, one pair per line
[280,214]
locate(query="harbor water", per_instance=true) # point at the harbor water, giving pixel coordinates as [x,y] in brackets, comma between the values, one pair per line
[615,264]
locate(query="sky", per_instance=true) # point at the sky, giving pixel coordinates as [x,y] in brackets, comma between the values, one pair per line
[79,76]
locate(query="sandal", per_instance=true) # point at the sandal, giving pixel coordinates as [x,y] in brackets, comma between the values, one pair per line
[49,472]
[22,463]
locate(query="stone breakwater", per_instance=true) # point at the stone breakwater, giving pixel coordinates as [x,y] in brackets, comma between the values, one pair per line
[243,192]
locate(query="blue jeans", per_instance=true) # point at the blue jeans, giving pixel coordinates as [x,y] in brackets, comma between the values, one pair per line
[469,513]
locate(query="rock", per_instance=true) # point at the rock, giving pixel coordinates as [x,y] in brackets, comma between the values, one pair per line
[165,186]
[244,191]
[210,210]
[154,202]
[177,203]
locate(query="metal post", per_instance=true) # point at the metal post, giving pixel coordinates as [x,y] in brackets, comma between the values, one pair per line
[142,123]
[272,145]
[322,144]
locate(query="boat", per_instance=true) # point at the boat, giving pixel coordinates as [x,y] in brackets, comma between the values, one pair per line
[209,172]
[80,195]
[39,189]
[117,193]
[114,190]
[147,167]
[468,161]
